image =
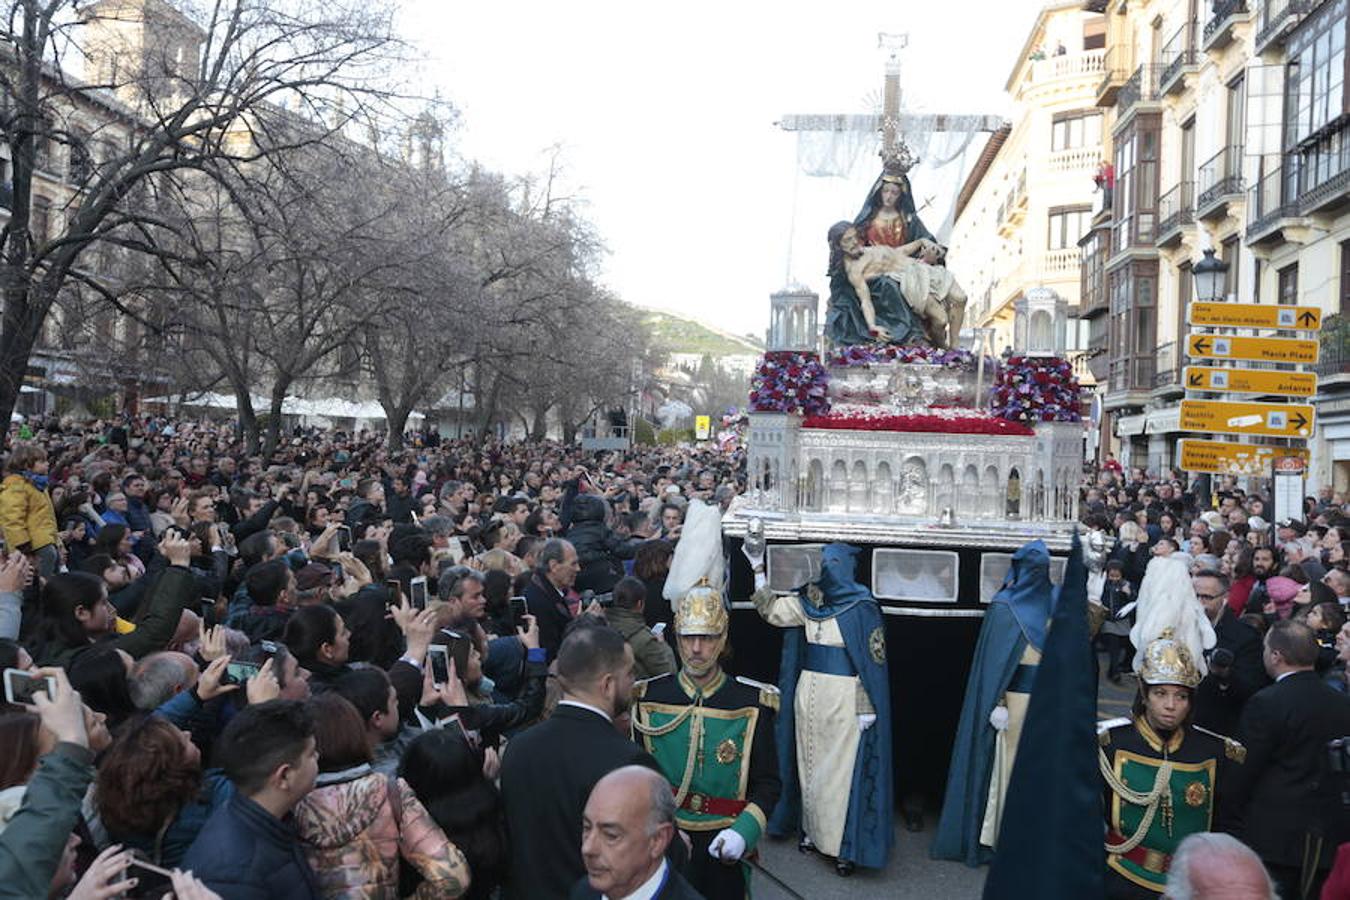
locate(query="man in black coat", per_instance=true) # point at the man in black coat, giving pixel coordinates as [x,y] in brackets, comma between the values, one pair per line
[1235,668]
[627,825]
[1283,794]
[547,596]
[549,770]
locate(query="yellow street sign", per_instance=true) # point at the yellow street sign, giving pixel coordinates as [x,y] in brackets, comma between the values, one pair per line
[702,427]
[1219,458]
[1249,381]
[1286,350]
[1287,420]
[1255,315]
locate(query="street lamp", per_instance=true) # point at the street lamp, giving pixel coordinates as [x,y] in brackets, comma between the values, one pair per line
[1210,275]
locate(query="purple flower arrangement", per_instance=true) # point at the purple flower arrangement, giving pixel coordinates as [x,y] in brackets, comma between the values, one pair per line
[788,382]
[860,355]
[1036,389]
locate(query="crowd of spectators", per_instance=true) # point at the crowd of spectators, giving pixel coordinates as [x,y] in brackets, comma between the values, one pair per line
[1277,593]
[300,674]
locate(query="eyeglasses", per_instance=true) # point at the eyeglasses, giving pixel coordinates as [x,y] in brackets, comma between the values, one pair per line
[1210,596]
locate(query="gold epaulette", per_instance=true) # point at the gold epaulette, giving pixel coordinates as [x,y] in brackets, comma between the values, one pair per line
[640,687]
[1231,748]
[768,694]
[1104,730]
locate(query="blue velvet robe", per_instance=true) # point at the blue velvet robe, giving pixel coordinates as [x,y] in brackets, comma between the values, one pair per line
[1017,615]
[868,833]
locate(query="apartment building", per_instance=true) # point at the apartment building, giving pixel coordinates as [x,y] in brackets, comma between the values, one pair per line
[1225,126]
[1031,194]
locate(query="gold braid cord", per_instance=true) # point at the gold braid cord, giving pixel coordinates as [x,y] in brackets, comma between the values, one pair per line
[695,739]
[1150,801]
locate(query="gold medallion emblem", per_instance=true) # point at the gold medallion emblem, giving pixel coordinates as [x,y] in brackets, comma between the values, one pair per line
[876,645]
[696,803]
[727,751]
[1196,794]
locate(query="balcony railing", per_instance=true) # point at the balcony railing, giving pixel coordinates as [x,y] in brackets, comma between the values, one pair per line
[1219,28]
[1178,54]
[1324,172]
[1176,209]
[1132,373]
[1334,355]
[1070,65]
[1275,20]
[1114,73]
[1076,159]
[1141,87]
[1168,370]
[1061,263]
[1270,202]
[1220,180]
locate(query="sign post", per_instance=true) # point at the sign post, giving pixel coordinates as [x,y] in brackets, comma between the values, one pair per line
[1289,472]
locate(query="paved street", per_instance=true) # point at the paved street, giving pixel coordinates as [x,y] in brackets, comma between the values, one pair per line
[911,873]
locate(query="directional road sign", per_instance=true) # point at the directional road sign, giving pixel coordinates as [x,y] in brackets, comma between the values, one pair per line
[1255,315]
[1287,420]
[1286,350]
[1249,381]
[1220,458]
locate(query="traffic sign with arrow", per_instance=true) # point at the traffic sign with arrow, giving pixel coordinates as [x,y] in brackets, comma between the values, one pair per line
[1292,420]
[1249,381]
[1255,315]
[1222,458]
[1286,350]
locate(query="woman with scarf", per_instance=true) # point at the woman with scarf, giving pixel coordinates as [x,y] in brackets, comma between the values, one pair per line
[27,516]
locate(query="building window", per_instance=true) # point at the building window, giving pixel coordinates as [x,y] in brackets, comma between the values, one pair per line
[1317,72]
[1345,279]
[1288,285]
[1067,225]
[1185,283]
[1076,129]
[1229,254]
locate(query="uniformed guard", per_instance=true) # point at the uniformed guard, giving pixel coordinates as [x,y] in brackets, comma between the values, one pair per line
[713,737]
[1160,772]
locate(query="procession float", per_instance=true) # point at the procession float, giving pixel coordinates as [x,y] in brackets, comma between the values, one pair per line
[896,431]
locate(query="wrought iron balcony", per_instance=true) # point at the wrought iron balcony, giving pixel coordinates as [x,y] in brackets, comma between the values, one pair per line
[1324,182]
[1141,87]
[1178,57]
[1168,369]
[1219,28]
[1270,204]
[1220,181]
[1276,18]
[1133,373]
[1334,356]
[1114,74]
[1176,210]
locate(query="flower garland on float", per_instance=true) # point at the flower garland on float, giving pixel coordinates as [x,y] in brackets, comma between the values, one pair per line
[935,419]
[1036,389]
[790,382]
[863,355]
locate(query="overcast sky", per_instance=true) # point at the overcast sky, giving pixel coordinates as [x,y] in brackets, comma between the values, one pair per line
[666,112]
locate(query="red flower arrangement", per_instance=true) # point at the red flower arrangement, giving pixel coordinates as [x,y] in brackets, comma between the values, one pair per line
[1036,389]
[789,382]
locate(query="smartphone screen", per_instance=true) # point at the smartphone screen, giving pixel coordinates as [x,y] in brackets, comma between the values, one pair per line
[518,611]
[459,652]
[21,686]
[418,588]
[344,537]
[395,592]
[439,658]
[240,672]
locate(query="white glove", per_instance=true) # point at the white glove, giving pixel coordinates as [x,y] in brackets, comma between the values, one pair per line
[999,717]
[728,846]
[756,562]
[866,721]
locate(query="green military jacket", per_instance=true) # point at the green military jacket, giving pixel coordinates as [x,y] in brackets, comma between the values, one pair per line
[717,749]
[1135,799]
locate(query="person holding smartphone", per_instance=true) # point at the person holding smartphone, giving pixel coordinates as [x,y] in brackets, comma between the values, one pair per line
[480,714]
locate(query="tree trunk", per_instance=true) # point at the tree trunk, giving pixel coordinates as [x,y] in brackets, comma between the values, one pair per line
[397,419]
[248,421]
[17,337]
[539,427]
[273,437]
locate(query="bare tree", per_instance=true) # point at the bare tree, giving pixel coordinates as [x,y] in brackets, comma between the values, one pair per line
[211,91]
